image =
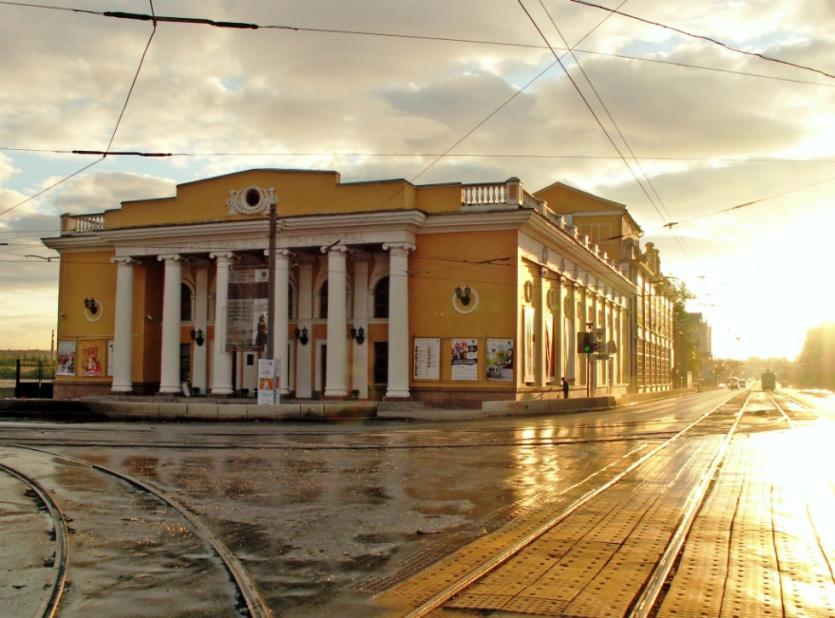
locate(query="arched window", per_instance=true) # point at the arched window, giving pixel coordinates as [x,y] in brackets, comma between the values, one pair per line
[323,300]
[381,298]
[186,303]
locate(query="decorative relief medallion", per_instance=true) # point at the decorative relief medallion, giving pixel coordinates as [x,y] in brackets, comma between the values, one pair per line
[251,201]
[528,291]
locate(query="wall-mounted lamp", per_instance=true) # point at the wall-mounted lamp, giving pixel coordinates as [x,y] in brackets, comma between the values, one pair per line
[358,334]
[197,336]
[463,295]
[301,335]
[91,305]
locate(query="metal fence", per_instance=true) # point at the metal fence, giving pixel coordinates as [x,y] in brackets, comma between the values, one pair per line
[33,378]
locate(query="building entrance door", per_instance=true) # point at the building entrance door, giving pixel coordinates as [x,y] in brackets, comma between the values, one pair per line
[185,363]
[381,363]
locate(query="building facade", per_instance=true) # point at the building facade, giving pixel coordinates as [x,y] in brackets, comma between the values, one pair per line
[447,293]
[612,228]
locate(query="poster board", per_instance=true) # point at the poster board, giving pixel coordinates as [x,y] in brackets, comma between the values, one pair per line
[91,357]
[110,355]
[464,359]
[246,308]
[268,382]
[500,360]
[66,358]
[530,349]
[427,358]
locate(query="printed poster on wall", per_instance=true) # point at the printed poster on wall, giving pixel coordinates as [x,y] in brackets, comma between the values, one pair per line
[465,359]
[530,351]
[66,358]
[246,311]
[90,354]
[500,359]
[427,355]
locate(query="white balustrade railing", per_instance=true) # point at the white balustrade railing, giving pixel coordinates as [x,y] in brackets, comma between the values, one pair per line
[482,195]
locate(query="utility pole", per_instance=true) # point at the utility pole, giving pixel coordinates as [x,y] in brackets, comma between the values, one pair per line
[271,284]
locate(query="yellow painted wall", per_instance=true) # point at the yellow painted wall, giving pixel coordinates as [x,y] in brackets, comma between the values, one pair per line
[299,193]
[440,263]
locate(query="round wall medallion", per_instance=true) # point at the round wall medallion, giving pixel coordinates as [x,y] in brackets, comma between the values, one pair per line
[528,291]
[458,301]
[553,301]
[93,313]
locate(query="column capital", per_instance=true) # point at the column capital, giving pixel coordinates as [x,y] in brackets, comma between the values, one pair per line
[334,249]
[285,253]
[223,256]
[123,259]
[401,248]
[173,257]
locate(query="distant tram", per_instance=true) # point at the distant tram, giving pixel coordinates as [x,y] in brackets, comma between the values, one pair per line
[768,381]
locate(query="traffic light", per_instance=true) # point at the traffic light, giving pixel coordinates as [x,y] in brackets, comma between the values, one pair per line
[585,343]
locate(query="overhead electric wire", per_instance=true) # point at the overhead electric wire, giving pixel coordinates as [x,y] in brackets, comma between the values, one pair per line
[393,155]
[707,38]
[424,37]
[590,108]
[112,135]
[665,215]
[752,202]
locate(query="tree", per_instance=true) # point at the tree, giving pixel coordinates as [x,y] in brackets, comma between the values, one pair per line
[816,363]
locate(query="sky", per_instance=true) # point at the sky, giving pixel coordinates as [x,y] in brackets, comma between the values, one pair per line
[726,129]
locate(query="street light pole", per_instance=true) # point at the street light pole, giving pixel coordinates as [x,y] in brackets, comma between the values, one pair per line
[271,285]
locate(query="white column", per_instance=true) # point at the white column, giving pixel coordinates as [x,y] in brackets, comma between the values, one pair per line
[304,354]
[359,356]
[399,354]
[337,370]
[541,313]
[571,333]
[169,382]
[221,359]
[282,316]
[201,325]
[123,326]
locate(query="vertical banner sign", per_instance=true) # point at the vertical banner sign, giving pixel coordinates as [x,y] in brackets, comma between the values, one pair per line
[266,382]
[66,358]
[246,313]
[530,352]
[110,355]
[500,359]
[465,359]
[427,353]
[91,358]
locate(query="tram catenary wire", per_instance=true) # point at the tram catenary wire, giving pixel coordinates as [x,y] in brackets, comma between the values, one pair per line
[55,591]
[252,601]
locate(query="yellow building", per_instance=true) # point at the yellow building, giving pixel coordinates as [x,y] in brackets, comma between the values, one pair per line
[610,225]
[446,293]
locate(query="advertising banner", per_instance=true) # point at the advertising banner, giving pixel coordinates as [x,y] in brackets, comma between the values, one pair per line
[427,353]
[246,312]
[267,382]
[66,358]
[465,359]
[500,359]
[91,353]
[110,355]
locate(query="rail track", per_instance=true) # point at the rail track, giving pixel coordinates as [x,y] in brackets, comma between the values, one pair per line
[651,591]
[251,602]
[54,592]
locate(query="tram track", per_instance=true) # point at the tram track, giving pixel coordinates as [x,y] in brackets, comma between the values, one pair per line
[250,598]
[48,607]
[652,589]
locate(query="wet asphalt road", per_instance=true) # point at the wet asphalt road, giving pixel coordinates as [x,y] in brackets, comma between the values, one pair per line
[321,516]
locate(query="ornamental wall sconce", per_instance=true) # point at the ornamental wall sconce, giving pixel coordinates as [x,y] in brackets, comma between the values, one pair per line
[91,305]
[197,336]
[301,335]
[463,295]
[358,334]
